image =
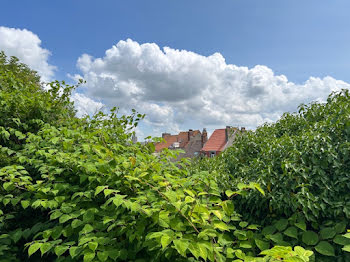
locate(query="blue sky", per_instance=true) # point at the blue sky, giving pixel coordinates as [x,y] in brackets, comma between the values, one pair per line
[295,38]
[298,39]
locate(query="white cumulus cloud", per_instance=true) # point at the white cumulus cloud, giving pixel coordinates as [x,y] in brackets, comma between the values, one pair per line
[177,87]
[85,105]
[26,46]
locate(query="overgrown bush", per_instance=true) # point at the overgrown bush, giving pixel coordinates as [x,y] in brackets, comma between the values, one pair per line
[79,189]
[302,162]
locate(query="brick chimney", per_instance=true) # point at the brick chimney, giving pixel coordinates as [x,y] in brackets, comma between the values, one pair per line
[204,136]
[165,135]
[190,133]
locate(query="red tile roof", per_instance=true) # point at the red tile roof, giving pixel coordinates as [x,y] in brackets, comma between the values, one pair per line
[182,138]
[216,142]
[169,140]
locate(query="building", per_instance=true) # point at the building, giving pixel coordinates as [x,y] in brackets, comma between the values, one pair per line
[190,141]
[220,140]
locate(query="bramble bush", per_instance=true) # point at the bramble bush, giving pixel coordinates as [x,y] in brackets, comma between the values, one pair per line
[79,189]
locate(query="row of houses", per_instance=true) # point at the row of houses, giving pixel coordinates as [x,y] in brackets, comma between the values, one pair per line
[195,143]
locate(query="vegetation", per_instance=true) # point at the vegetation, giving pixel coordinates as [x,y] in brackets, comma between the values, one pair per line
[302,162]
[79,190]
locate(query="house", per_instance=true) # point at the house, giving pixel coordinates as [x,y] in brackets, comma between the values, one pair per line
[190,141]
[220,140]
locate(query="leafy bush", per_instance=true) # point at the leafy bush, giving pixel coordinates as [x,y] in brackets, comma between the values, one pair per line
[302,161]
[79,189]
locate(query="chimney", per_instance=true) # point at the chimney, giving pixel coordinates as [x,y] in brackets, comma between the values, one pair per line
[190,133]
[165,135]
[204,136]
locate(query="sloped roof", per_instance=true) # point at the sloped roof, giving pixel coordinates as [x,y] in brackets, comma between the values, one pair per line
[169,140]
[182,138]
[216,142]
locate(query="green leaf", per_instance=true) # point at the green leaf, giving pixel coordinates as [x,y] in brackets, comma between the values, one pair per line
[165,240]
[346,248]
[258,187]
[243,224]
[219,214]
[33,248]
[253,227]
[277,238]
[164,218]
[99,189]
[107,192]
[64,218]
[291,232]
[193,248]
[310,238]
[269,230]
[245,244]
[114,254]
[56,214]
[76,223]
[89,256]
[327,233]
[56,232]
[221,226]
[325,248]
[302,253]
[154,235]
[262,245]
[301,225]
[340,227]
[102,256]
[181,246]
[45,248]
[228,207]
[87,229]
[229,193]
[203,252]
[74,251]
[25,203]
[118,200]
[281,224]
[276,251]
[16,236]
[93,245]
[59,250]
[341,240]
[8,186]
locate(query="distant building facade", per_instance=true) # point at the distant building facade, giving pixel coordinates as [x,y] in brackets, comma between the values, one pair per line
[190,141]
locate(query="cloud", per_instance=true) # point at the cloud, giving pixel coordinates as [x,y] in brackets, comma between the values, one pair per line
[177,87]
[85,105]
[26,46]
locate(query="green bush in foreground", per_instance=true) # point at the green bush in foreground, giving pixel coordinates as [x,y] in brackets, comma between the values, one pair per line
[302,162]
[79,190]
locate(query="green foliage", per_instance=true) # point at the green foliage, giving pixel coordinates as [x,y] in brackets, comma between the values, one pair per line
[326,240]
[26,105]
[302,162]
[80,190]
